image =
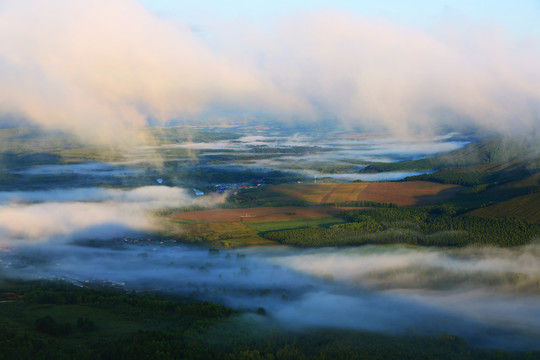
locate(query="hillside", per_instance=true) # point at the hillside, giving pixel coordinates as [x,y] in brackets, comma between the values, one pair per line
[493,154]
[501,176]
[526,208]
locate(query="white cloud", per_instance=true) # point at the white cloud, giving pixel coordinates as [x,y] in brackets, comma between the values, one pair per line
[340,295]
[42,222]
[391,76]
[36,216]
[99,69]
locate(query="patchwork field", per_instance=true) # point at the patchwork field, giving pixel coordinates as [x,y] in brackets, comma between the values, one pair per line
[245,226]
[408,193]
[228,234]
[248,232]
[235,227]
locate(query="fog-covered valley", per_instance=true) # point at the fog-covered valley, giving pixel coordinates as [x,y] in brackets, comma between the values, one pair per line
[269,180]
[246,159]
[109,237]
[487,296]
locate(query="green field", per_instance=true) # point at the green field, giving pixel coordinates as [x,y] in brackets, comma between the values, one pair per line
[236,233]
[270,225]
[226,234]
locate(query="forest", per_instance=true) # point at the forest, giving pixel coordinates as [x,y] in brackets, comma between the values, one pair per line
[108,324]
[427,226]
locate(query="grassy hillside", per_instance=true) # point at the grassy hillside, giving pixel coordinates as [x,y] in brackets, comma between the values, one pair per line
[526,208]
[493,171]
[492,153]
[491,193]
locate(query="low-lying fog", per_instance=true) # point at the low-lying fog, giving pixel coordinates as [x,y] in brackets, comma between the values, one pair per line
[486,295]
[243,155]
[67,214]
[335,151]
[347,155]
[382,176]
[369,145]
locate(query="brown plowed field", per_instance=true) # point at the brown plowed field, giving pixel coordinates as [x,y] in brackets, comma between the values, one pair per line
[406,193]
[409,193]
[321,193]
[257,214]
[402,193]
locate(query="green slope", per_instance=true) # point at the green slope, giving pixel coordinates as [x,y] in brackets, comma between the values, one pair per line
[489,154]
[526,208]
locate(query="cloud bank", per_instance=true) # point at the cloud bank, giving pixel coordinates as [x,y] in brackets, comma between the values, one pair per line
[67,214]
[100,70]
[401,78]
[148,196]
[384,289]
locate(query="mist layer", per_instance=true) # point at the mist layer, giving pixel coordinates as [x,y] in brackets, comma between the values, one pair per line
[488,296]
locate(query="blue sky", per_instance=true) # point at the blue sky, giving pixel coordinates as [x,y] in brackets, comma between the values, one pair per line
[519,16]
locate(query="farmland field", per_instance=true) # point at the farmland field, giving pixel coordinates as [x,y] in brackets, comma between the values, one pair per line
[246,226]
[241,227]
[401,193]
[226,234]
